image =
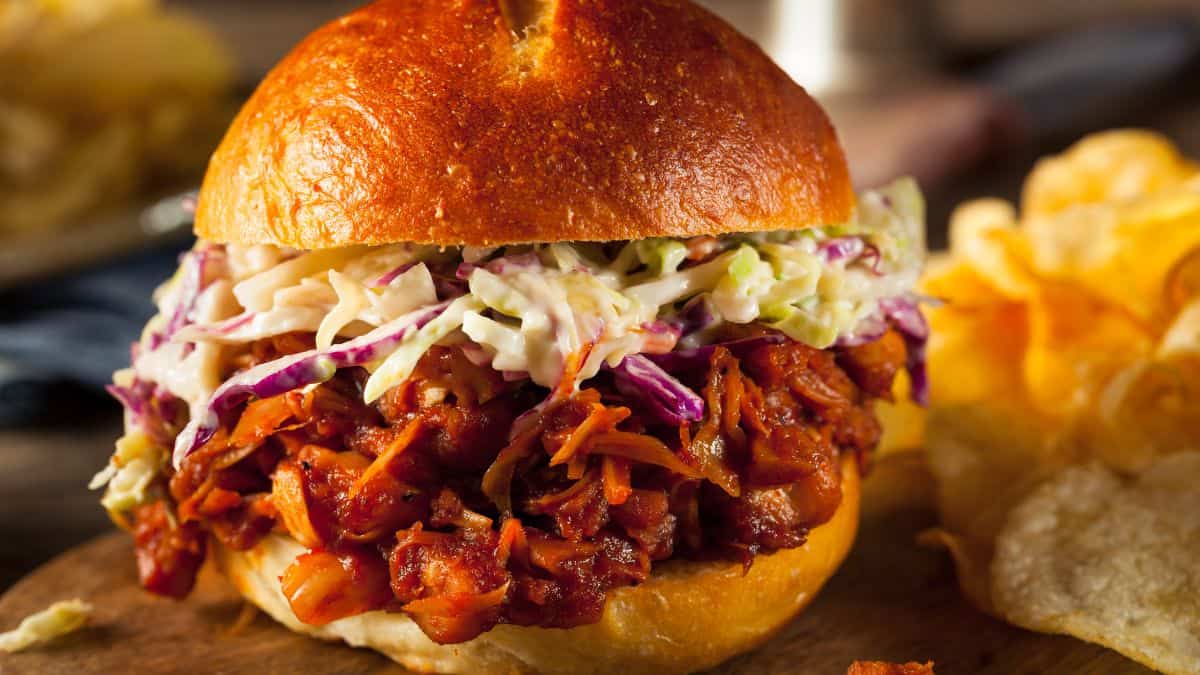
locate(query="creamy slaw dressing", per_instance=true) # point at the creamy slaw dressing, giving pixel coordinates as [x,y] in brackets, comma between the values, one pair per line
[530,315]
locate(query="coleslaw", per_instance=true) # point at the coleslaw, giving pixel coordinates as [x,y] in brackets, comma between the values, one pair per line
[525,309]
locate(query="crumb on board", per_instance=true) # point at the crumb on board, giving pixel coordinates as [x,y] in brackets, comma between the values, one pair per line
[884,668]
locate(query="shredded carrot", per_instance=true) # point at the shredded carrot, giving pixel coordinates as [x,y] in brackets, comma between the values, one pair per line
[190,508]
[577,467]
[218,501]
[498,478]
[551,554]
[642,448]
[546,502]
[617,487]
[599,417]
[512,542]
[571,367]
[417,535]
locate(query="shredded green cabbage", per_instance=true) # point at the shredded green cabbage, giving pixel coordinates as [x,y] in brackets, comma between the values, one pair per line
[55,621]
[396,368]
[530,307]
[661,256]
[133,467]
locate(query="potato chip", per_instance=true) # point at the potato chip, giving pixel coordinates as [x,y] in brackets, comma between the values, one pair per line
[1182,338]
[977,329]
[984,232]
[1125,253]
[1068,339]
[1076,343]
[1151,407]
[1110,561]
[986,459]
[1147,411]
[1183,283]
[973,352]
[1111,166]
[955,282]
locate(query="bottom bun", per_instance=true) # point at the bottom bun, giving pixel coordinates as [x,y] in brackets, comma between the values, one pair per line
[688,616]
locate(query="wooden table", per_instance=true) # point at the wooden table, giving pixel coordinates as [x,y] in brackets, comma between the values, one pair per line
[45,506]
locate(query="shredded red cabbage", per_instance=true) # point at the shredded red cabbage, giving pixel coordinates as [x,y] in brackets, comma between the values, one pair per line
[904,314]
[195,279]
[693,359]
[850,249]
[696,315]
[665,397]
[231,324]
[841,248]
[295,371]
[868,330]
[190,286]
[150,408]
[529,260]
[391,276]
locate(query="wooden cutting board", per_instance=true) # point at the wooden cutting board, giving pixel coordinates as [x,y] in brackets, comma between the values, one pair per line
[891,600]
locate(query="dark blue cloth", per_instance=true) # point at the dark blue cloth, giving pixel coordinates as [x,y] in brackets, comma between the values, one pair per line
[61,340]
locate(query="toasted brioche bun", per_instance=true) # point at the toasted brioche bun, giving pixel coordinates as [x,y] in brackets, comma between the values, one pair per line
[492,122]
[688,616]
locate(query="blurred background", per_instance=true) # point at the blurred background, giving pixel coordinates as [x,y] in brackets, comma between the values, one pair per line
[109,108]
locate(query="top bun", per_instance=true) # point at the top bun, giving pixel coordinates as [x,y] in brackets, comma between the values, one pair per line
[492,122]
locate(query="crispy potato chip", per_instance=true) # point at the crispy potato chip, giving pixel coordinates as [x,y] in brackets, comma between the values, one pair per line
[973,352]
[1149,410]
[984,232]
[1183,282]
[1127,253]
[1182,338]
[1110,561]
[978,329]
[1068,339]
[986,460]
[1075,345]
[956,282]
[1151,407]
[1111,166]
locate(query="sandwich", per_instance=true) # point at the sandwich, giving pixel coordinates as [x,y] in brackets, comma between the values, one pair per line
[521,337]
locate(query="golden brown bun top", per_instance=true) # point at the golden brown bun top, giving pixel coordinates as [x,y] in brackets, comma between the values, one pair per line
[487,122]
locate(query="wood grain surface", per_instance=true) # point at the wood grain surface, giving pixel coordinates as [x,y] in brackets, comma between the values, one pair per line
[890,601]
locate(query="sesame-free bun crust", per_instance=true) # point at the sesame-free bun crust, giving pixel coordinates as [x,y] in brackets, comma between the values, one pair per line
[688,616]
[490,122]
